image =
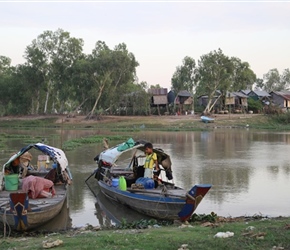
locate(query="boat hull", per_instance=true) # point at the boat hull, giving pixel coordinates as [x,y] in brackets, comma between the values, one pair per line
[206,119]
[155,205]
[39,211]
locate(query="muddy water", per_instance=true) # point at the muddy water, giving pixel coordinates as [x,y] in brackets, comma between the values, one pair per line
[249,171]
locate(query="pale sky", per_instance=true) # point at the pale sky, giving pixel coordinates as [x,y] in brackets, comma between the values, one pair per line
[159,33]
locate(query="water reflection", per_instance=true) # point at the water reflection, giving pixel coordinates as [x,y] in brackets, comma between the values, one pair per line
[110,213]
[249,170]
[61,222]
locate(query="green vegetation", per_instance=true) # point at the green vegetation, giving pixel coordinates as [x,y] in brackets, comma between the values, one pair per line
[29,122]
[255,105]
[248,234]
[283,119]
[71,144]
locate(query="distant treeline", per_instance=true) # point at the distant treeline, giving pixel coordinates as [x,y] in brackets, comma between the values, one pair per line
[57,77]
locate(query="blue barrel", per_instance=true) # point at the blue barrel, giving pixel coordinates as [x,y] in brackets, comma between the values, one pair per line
[115,182]
[147,183]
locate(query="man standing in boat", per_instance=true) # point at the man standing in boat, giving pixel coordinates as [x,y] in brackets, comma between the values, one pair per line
[151,159]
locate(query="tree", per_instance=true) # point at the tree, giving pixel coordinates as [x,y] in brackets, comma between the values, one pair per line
[259,83]
[14,94]
[214,72]
[110,69]
[124,73]
[183,77]
[272,81]
[81,84]
[52,53]
[285,79]
[30,77]
[5,64]
[243,76]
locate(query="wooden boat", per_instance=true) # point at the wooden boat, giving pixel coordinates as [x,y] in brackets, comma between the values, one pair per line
[206,119]
[36,196]
[162,201]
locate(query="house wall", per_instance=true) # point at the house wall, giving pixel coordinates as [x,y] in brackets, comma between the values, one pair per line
[278,100]
[253,95]
[230,100]
[287,103]
[160,99]
[244,101]
[202,101]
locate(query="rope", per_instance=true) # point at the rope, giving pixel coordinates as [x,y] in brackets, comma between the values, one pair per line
[6,223]
[190,196]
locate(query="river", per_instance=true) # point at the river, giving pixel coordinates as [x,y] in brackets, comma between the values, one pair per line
[249,171]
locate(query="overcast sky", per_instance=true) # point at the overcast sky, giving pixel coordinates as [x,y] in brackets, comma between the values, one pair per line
[159,34]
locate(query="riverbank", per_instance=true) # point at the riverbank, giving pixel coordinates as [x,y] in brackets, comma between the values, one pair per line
[255,234]
[182,122]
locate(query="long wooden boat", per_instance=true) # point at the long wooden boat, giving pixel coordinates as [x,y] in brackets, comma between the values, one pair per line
[162,201]
[37,195]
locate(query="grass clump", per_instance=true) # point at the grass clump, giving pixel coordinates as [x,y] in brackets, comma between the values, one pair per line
[74,143]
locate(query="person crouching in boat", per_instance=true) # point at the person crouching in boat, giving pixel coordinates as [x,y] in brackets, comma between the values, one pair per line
[20,165]
[25,164]
[151,159]
[14,167]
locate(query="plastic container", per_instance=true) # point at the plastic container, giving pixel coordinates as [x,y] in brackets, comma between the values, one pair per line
[147,183]
[122,183]
[115,182]
[11,182]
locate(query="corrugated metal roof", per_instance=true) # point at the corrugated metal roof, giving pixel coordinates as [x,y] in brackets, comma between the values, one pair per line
[160,91]
[246,91]
[184,93]
[285,94]
[261,93]
[240,94]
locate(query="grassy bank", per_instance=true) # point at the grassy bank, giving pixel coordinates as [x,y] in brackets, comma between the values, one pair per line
[158,123]
[252,234]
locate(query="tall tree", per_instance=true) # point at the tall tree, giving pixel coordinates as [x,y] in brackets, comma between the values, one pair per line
[243,76]
[214,72]
[5,64]
[272,81]
[183,77]
[52,53]
[259,83]
[109,70]
[285,79]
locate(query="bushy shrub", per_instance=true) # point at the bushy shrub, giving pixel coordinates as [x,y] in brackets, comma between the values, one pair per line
[282,118]
[255,106]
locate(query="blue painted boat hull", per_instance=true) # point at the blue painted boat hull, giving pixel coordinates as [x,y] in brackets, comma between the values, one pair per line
[168,206]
